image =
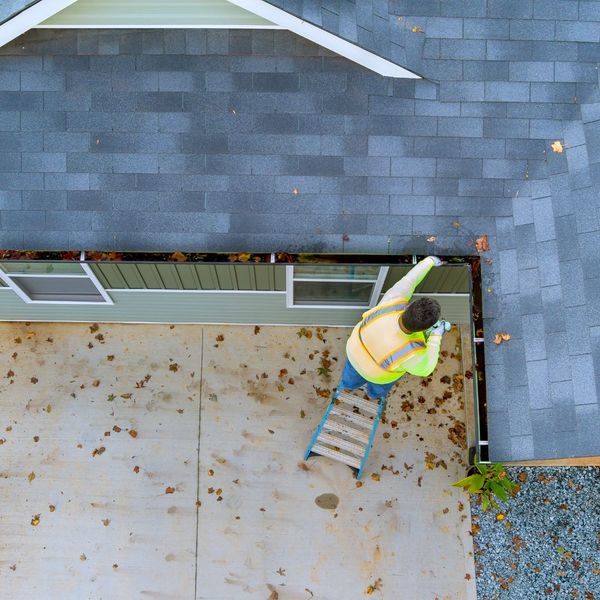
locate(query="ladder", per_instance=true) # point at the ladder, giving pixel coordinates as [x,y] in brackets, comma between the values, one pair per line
[347,430]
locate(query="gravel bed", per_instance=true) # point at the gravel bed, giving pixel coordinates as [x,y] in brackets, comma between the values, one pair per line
[543,543]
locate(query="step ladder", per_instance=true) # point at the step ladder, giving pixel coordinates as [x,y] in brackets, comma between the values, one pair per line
[347,430]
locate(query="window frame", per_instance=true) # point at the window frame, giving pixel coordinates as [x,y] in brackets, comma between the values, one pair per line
[87,273]
[373,299]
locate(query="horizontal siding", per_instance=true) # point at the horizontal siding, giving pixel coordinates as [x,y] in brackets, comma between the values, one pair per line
[196,307]
[154,13]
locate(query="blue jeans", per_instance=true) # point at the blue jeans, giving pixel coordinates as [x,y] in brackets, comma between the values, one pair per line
[351,380]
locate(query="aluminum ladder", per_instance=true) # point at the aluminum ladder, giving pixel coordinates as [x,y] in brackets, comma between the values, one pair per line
[347,430]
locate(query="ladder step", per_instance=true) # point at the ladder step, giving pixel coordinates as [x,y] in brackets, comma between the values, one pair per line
[355,434]
[352,416]
[352,461]
[367,405]
[339,442]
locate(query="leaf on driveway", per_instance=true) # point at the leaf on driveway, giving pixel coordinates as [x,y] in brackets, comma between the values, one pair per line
[35,520]
[169,490]
[31,476]
[133,433]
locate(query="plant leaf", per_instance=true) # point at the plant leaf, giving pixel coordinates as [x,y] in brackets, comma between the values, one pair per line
[483,469]
[499,491]
[477,483]
[486,503]
[465,482]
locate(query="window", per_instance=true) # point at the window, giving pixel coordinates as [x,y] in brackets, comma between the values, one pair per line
[333,286]
[54,283]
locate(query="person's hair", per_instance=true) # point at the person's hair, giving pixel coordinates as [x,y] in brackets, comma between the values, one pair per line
[421,314]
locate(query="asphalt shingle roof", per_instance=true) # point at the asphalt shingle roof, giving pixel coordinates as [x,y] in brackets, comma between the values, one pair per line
[195,140]
[10,8]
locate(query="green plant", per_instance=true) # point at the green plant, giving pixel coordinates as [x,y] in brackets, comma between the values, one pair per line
[490,482]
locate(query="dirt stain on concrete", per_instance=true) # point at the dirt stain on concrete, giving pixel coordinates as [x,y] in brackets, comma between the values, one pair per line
[327,501]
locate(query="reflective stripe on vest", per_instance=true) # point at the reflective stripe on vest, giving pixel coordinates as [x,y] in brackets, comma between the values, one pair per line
[380,312]
[400,353]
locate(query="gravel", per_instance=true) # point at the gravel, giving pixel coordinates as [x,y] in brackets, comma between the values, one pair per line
[548,543]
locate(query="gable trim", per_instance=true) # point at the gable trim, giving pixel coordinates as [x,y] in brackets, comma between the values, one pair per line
[328,40]
[29,18]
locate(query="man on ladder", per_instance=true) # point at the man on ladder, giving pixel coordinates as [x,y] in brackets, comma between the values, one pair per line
[393,338]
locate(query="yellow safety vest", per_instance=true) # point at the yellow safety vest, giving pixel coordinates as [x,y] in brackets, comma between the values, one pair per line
[377,346]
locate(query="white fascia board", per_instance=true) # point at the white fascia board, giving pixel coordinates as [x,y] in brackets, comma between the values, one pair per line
[30,17]
[327,40]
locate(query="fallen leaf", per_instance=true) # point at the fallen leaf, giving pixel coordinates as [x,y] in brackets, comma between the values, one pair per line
[126,396]
[295,191]
[432,238]
[221,461]
[174,367]
[302,413]
[96,382]
[116,428]
[106,522]
[98,451]
[375,477]
[49,408]
[31,476]
[482,243]
[36,438]
[169,490]
[501,337]
[82,557]
[256,330]
[110,357]
[500,517]
[110,398]
[34,380]
[557,147]
[220,338]
[417,29]
[133,433]
[273,596]
[281,572]
[178,256]
[94,327]
[376,585]
[468,577]
[35,520]
[136,469]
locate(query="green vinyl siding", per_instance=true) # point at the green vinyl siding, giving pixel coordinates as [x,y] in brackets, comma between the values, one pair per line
[154,13]
[187,276]
[253,308]
[450,279]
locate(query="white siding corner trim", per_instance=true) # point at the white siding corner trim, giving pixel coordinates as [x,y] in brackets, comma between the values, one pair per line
[328,40]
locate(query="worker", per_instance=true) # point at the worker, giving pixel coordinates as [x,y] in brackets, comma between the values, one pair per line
[392,338]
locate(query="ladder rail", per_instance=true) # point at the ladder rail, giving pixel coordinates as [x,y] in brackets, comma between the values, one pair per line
[371,438]
[320,427]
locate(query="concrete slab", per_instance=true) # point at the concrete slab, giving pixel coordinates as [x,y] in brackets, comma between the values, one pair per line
[267,524]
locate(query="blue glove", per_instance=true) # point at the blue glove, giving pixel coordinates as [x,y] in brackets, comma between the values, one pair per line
[438,262]
[441,327]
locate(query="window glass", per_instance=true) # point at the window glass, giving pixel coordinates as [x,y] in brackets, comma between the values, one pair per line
[59,289]
[322,292]
[41,267]
[359,272]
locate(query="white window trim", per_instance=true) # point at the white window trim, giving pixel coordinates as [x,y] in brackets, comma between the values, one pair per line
[7,278]
[373,299]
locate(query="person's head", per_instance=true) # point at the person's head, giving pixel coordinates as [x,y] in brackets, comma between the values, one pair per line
[421,314]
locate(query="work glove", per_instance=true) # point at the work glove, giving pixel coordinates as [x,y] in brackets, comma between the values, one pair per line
[441,327]
[437,261]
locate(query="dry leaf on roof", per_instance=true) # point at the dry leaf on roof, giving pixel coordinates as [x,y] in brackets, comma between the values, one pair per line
[501,337]
[432,238]
[482,244]
[417,29]
[557,147]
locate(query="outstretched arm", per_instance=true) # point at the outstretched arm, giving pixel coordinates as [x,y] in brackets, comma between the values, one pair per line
[422,364]
[407,285]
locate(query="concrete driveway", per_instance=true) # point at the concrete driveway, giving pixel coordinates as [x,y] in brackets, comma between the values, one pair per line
[165,462]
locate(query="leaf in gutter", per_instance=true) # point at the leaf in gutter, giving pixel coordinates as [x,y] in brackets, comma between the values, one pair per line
[178,256]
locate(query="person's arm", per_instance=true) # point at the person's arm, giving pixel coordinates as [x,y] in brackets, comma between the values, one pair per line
[406,286]
[423,364]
